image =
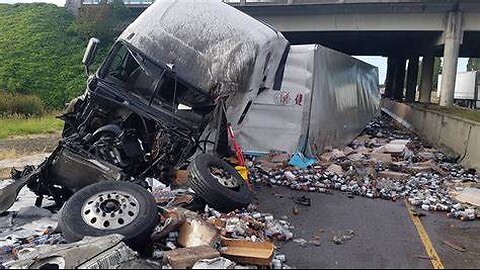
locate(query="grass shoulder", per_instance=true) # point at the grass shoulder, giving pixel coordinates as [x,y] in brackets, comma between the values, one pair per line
[473,115]
[19,125]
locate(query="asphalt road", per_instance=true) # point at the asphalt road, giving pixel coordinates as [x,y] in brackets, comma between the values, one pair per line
[462,234]
[385,237]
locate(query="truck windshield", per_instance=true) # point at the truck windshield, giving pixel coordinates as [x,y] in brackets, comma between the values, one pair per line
[149,82]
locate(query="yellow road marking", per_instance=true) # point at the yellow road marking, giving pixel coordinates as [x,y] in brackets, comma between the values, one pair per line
[431,252]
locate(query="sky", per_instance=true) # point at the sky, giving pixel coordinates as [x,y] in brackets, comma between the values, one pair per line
[380,62]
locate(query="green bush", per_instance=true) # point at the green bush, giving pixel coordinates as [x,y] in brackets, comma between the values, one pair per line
[18,104]
[38,56]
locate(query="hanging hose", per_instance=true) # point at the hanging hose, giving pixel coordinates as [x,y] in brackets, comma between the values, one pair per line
[242,165]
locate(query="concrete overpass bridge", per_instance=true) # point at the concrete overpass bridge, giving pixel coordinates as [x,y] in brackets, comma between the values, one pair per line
[398,29]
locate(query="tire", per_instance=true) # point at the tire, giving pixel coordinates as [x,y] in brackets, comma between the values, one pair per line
[136,229]
[208,187]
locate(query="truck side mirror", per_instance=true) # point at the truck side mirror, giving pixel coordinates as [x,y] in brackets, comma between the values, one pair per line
[90,52]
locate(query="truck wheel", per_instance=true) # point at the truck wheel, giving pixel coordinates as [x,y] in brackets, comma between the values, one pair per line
[218,183]
[112,207]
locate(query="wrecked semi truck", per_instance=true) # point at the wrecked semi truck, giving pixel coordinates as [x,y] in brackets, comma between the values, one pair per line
[175,84]
[157,104]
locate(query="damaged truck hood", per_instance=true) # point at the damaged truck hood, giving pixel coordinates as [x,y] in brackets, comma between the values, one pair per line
[213,46]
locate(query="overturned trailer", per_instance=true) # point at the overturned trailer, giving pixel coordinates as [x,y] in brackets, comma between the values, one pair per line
[325,99]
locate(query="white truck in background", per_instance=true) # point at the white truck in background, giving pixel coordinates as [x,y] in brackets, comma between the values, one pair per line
[466,89]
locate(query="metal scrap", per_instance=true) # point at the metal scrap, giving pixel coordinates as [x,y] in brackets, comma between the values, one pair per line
[454,246]
[100,252]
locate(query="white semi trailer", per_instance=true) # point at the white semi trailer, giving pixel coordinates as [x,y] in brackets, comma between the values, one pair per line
[466,89]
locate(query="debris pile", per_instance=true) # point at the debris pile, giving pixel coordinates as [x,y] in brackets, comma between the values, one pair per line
[13,249]
[187,232]
[26,227]
[243,237]
[206,239]
[250,225]
[385,162]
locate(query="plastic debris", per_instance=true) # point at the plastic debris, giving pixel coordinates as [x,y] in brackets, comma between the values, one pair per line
[300,161]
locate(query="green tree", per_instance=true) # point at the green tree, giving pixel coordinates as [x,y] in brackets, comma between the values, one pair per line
[437,70]
[473,64]
[102,21]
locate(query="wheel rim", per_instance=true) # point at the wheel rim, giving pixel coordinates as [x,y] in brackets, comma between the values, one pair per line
[223,177]
[110,210]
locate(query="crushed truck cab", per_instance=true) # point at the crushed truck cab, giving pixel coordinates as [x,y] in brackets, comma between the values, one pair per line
[157,103]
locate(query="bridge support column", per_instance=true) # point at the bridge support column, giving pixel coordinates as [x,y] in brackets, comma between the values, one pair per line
[453,38]
[426,83]
[412,78]
[390,77]
[399,80]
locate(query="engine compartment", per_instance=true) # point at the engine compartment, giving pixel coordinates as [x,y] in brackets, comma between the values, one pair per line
[141,147]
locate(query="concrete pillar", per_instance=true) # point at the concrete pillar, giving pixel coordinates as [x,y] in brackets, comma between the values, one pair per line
[390,77]
[399,80]
[426,83]
[453,38]
[412,77]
